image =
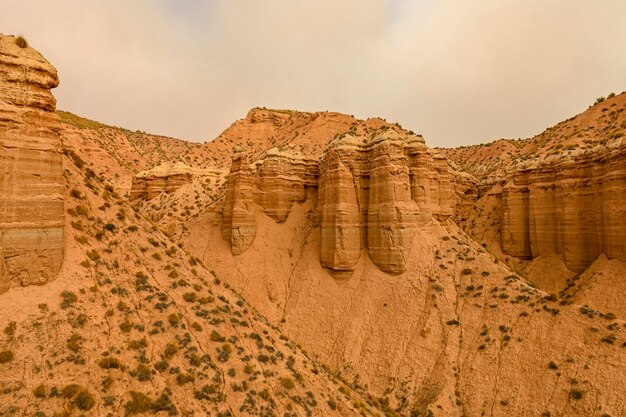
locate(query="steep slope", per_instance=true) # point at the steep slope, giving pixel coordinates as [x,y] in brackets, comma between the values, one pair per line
[422,335]
[134,324]
[336,283]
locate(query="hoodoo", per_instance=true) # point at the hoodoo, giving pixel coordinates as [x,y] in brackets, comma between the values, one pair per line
[372,192]
[31,174]
[573,208]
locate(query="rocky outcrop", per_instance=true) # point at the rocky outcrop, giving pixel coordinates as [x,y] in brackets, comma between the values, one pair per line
[372,192]
[282,179]
[375,193]
[165,178]
[31,172]
[575,207]
[238,224]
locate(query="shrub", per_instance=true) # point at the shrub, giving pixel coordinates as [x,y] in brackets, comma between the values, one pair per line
[287,382]
[84,400]
[138,344]
[69,298]
[610,316]
[78,395]
[139,403]
[173,319]
[552,365]
[73,343]
[182,379]
[576,394]
[126,326]
[466,271]
[21,42]
[142,373]
[94,255]
[81,210]
[161,366]
[40,391]
[110,363]
[6,356]
[170,350]
[216,337]
[10,329]
[190,297]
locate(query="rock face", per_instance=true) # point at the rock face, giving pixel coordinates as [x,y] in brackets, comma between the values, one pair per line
[575,208]
[372,192]
[165,178]
[282,179]
[31,172]
[238,224]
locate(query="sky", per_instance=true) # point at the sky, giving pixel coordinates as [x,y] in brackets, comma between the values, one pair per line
[458,72]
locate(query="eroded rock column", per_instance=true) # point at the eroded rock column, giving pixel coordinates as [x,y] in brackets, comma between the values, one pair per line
[341,229]
[392,214]
[31,172]
[238,222]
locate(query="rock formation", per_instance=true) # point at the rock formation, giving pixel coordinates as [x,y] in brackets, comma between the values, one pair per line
[282,179]
[373,191]
[31,172]
[165,178]
[238,224]
[574,208]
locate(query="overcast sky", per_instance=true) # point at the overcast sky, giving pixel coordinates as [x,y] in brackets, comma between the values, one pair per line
[459,72]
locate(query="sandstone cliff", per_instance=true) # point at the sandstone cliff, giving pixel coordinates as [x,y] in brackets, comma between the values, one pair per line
[372,192]
[166,178]
[558,193]
[575,208]
[31,174]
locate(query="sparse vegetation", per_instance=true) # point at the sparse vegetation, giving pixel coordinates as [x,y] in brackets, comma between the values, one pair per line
[21,42]
[6,356]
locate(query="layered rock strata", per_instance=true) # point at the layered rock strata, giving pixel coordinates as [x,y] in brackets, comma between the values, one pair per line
[575,208]
[372,192]
[238,223]
[31,172]
[165,178]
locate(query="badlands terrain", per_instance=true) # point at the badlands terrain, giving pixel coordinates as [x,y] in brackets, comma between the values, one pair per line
[306,264]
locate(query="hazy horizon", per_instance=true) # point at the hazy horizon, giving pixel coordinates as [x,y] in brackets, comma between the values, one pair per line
[460,74]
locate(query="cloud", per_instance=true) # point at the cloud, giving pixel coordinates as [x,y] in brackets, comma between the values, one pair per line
[458,72]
